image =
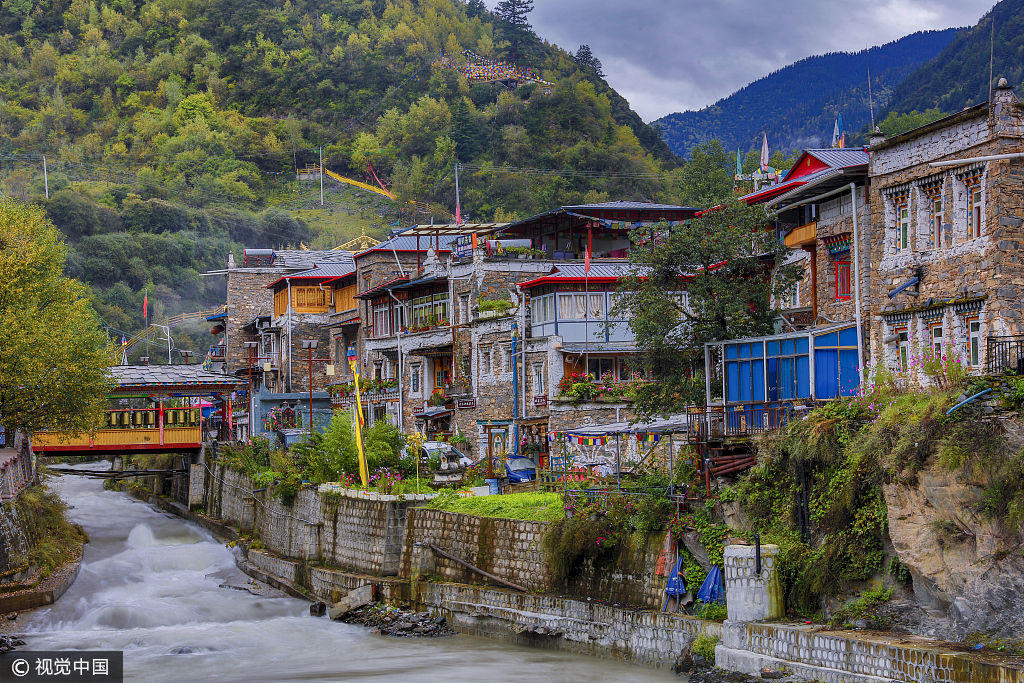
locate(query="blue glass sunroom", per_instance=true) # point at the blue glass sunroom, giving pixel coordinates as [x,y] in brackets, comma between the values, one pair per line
[780,367]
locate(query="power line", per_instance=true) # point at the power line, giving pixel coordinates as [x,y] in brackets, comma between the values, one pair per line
[520,170]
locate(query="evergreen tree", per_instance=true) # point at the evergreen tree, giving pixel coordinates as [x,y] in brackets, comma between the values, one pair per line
[476,8]
[588,62]
[517,26]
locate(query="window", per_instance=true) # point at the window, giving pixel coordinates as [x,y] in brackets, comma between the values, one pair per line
[599,366]
[902,224]
[791,297]
[788,368]
[936,334]
[974,211]
[415,379]
[442,372]
[429,311]
[974,342]
[843,288]
[464,308]
[485,360]
[508,355]
[538,379]
[381,319]
[542,308]
[310,299]
[903,340]
[281,302]
[625,372]
[565,307]
[935,220]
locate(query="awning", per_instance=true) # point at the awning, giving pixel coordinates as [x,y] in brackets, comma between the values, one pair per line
[382,287]
[674,424]
[433,413]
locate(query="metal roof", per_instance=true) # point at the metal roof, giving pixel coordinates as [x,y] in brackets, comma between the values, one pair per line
[382,287]
[408,242]
[426,280]
[629,206]
[305,258]
[673,424]
[168,375]
[340,269]
[602,270]
[599,347]
[840,158]
[453,228]
[785,186]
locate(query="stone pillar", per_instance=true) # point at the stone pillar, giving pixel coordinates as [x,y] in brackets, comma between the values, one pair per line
[750,596]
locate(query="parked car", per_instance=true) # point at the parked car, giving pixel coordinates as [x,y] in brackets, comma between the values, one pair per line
[519,468]
[452,462]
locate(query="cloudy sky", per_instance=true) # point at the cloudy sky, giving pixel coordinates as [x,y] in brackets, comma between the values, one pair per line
[673,55]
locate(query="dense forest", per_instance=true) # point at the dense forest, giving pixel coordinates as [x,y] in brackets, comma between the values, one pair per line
[797,105]
[171,130]
[958,76]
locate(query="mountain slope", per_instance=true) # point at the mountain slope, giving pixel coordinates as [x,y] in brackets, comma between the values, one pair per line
[958,76]
[797,105]
[179,124]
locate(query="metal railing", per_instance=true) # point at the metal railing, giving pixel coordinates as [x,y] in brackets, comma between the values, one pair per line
[1005,355]
[740,419]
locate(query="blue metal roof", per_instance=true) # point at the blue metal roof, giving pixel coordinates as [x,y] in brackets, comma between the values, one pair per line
[629,206]
[840,158]
[326,270]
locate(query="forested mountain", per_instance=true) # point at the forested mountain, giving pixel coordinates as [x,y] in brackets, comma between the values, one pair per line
[958,76]
[172,128]
[797,105]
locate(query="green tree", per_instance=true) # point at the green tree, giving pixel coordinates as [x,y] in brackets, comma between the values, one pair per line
[54,359]
[894,123]
[588,61]
[724,261]
[517,26]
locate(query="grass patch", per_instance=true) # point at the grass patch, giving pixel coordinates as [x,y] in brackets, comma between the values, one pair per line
[542,507]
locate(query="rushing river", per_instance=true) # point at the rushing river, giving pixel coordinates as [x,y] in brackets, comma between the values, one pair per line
[150,585]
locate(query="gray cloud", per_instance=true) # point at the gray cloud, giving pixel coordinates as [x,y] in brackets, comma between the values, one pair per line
[673,55]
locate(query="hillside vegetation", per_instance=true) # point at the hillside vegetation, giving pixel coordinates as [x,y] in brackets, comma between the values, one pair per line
[797,105]
[958,76]
[172,130]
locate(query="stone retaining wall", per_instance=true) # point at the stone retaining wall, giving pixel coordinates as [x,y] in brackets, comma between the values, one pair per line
[511,549]
[842,657]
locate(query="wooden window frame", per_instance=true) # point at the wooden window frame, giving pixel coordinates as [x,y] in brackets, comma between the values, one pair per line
[902,205]
[968,322]
[840,263]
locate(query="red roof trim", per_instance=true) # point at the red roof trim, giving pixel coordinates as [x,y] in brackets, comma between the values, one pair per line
[382,286]
[568,280]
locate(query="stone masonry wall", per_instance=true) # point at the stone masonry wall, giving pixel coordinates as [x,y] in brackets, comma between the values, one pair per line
[358,533]
[247,297]
[981,275]
[512,550]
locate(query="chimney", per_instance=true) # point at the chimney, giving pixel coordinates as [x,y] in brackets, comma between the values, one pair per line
[1004,113]
[876,137]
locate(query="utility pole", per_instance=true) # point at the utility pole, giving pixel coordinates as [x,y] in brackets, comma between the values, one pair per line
[321,175]
[46,178]
[309,345]
[458,208]
[250,347]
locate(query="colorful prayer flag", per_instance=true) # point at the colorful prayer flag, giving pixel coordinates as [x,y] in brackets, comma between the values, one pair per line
[764,153]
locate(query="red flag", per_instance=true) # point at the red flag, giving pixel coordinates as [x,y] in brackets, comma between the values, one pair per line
[145,303]
[590,246]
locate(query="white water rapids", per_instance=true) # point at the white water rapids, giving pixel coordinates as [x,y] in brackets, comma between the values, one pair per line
[150,585]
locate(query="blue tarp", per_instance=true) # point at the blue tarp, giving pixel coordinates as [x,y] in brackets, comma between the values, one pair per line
[712,589]
[676,583]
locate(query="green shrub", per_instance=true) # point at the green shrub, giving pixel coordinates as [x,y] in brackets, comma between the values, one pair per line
[704,646]
[864,606]
[712,611]
[546,507]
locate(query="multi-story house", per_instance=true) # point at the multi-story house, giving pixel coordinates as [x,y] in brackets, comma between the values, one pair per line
[819,207]
[947,206]
[280,302]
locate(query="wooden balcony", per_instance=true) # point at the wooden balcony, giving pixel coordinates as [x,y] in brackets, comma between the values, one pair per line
[804,235]
[138,439]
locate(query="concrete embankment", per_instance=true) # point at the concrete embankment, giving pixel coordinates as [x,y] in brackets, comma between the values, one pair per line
[324,545]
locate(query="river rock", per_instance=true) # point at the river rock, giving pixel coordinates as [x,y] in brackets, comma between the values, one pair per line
[355,598]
